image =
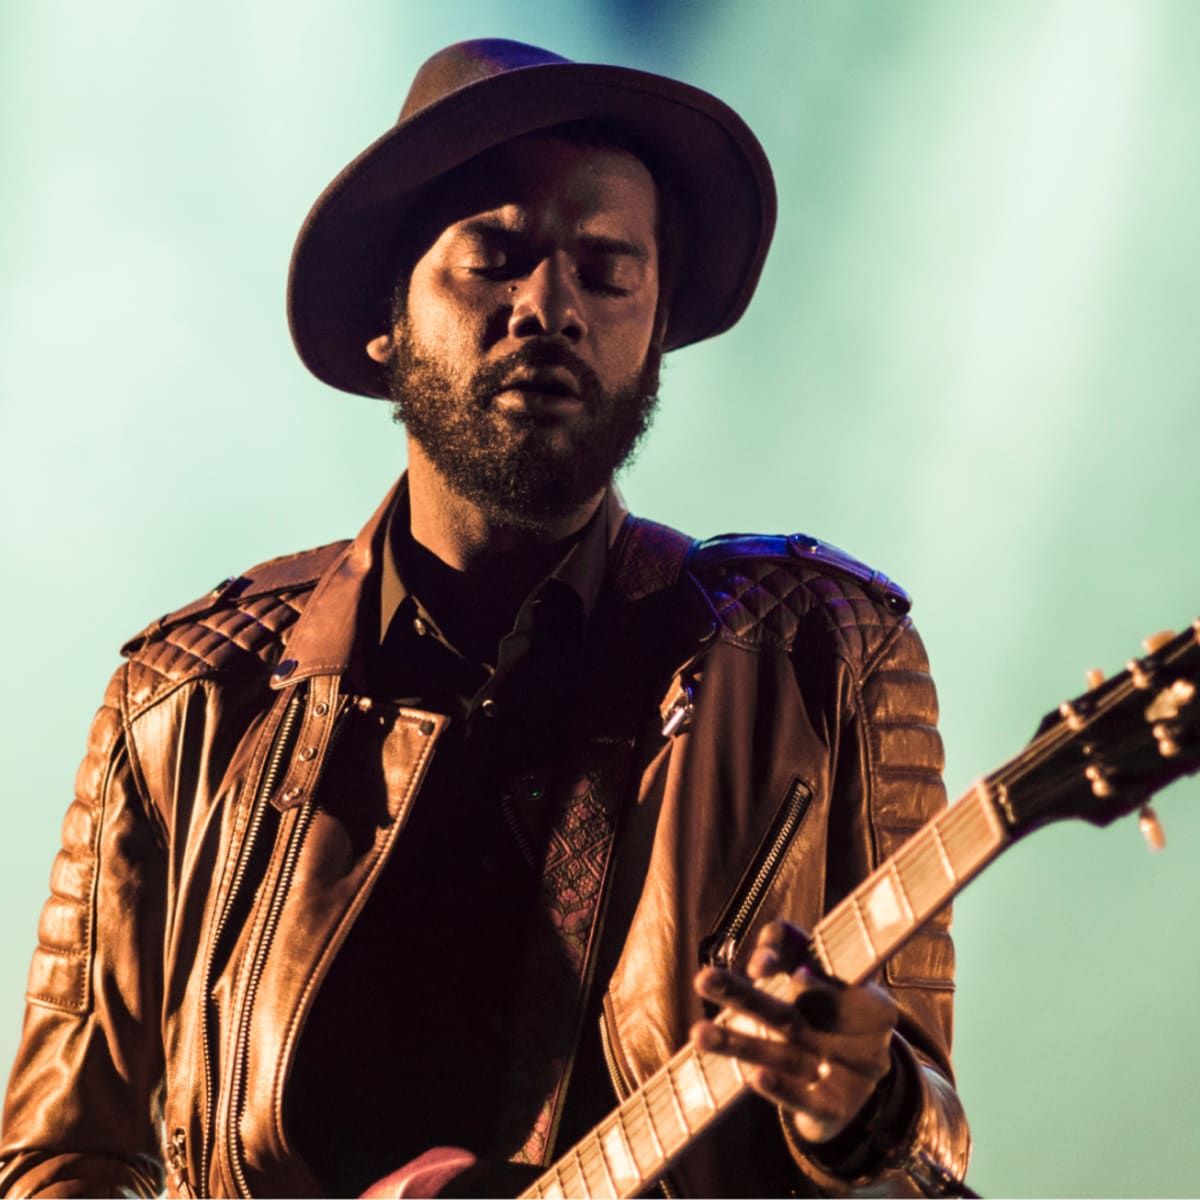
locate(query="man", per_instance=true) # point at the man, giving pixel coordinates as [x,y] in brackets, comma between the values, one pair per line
[421,839]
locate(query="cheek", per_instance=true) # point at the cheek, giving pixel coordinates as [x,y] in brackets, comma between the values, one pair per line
[626,346]
[446,330]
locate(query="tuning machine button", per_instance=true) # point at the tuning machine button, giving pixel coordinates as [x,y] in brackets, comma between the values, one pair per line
[1094,677]
[1165,734]
[1151,828]
[1071,714]
[1156,641]
[1100,777]
[1138,675]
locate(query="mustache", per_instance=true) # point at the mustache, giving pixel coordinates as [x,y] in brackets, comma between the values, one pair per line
[490,380]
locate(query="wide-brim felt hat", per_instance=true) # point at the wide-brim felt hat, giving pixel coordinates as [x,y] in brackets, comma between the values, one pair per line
[475,95]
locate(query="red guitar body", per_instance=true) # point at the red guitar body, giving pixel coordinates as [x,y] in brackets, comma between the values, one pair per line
[425,1176]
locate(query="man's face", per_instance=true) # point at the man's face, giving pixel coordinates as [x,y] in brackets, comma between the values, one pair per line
[526,362]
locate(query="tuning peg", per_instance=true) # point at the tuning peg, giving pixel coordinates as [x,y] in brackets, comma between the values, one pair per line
[1164,734]
[1151,828]
[1094,677]
[1100,777]
[1156,641]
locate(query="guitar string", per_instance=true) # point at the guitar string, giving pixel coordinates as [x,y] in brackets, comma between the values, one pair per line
[1040,750]
[959,826]
[840,927]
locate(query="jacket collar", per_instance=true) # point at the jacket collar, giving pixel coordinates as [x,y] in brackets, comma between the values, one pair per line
[330,636]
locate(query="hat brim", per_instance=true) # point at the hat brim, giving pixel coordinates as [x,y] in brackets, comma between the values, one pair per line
[719,175]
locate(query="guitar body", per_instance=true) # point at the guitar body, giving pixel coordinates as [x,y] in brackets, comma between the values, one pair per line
[426,1176]
[1096,758]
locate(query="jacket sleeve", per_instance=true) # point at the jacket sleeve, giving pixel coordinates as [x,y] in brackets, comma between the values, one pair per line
[887,784]
[82,1108]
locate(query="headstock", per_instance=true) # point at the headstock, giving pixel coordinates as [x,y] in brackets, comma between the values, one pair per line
[1104,753]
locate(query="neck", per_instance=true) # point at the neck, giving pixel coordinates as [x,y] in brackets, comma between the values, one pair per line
[471,571]
[466,538]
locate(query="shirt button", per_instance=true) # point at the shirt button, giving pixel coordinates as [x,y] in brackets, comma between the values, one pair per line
[488,708]
[419,627]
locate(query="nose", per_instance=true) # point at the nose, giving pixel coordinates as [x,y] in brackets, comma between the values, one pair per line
[547,302]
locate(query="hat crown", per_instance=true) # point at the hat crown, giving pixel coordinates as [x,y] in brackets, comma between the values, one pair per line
[468,62]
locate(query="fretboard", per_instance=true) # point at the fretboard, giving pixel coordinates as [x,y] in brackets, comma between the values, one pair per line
[638,1141]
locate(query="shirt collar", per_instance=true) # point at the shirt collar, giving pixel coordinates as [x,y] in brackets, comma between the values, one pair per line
[581,568]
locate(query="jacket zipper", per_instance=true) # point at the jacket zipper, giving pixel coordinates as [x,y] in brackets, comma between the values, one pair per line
[283,737]
[242,1049]
[279,895]
[720,947]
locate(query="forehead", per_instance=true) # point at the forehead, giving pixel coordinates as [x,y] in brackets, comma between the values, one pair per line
[541,180]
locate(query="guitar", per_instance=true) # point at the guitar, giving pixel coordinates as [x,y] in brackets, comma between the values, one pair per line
[1097,757]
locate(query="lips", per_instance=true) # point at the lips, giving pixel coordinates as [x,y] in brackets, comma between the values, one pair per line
[557,382]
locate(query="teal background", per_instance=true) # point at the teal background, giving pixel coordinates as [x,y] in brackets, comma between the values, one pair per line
[972,362]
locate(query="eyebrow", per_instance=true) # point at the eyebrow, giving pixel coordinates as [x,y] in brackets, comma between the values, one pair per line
[596,243]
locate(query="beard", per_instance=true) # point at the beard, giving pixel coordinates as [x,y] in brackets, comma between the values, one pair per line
[515,466]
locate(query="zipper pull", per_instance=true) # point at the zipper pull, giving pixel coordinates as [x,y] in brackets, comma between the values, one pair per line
[177,1161]
[721,954]
[677,710]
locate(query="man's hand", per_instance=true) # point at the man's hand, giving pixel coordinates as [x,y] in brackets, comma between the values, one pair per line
[827,1051]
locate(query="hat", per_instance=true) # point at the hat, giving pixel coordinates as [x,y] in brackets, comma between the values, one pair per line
[475,95]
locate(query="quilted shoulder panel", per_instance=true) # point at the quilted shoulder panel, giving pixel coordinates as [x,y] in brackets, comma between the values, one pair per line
[235,628]
[763,587]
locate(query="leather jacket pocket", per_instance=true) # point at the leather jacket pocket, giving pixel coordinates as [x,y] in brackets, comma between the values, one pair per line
[720,947]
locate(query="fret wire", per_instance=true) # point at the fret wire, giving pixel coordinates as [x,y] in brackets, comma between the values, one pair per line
[917,854]
[587,1187]
[821,949]
[585,1152]
[660,1101]
[972,841]
[723,1067]
[591,1150]
[612,1183]
[842,929]
[921,863]
[946,863]
[893,870]
[958,820]
[837,938]
[568,1163]
[653,1091]
[861,921]
[617,1124]
[645,1094]
[674,1094]
[638,1112]
[923,846]
[964,833]
[698,1058]
[560,1178]
[839,925]
[959,839]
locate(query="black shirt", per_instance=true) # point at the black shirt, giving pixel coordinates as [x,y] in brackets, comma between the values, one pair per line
[405,1047]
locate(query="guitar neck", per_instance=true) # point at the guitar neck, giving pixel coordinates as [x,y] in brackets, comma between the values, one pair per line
[857,936]
[637,1142]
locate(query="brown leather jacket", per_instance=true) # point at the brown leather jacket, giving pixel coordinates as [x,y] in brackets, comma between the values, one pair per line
[212,864]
